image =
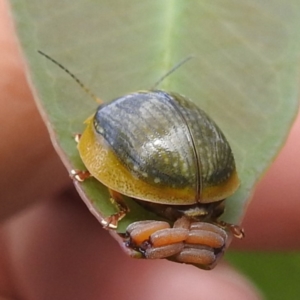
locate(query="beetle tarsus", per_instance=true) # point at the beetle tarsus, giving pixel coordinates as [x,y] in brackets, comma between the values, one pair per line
[236,230]
[79,175]
[112,221]
[77,137]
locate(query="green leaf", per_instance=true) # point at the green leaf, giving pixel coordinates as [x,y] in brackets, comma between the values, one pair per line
[244,74]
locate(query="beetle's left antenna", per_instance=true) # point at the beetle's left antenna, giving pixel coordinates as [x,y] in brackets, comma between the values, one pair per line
[92,95]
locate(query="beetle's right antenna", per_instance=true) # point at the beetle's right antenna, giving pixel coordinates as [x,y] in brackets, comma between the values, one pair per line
[92,95]
[171,71]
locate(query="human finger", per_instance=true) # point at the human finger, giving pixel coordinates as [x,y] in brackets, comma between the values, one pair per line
[30,169]
[272,221]
[59,251]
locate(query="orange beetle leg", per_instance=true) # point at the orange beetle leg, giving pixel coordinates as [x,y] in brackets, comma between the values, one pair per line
[236,230]
[116,199]
[80,175]
[77,137]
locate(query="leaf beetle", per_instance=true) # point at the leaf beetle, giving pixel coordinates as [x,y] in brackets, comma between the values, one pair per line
[162,150]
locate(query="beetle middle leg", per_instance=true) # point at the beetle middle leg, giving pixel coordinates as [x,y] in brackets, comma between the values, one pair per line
[111,222]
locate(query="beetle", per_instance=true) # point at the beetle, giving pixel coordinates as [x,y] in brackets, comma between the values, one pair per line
[163,151]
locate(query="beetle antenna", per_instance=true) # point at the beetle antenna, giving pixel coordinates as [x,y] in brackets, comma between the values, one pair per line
[172,71]
[92,95]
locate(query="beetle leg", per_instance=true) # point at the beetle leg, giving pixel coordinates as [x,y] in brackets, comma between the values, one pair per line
[77,137]
[236,230]
[111,222]
[80,175]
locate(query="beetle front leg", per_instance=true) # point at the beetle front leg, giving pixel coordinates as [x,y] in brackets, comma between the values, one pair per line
[80,175]
[110,222]
[77,137]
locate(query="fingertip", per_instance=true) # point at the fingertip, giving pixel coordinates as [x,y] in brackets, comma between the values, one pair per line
[187,282]
[58,250]
[272,220]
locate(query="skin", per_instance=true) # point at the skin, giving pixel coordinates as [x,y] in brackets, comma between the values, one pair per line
[53,248]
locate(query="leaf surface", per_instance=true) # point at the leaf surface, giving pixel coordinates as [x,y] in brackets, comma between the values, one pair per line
[244,73]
